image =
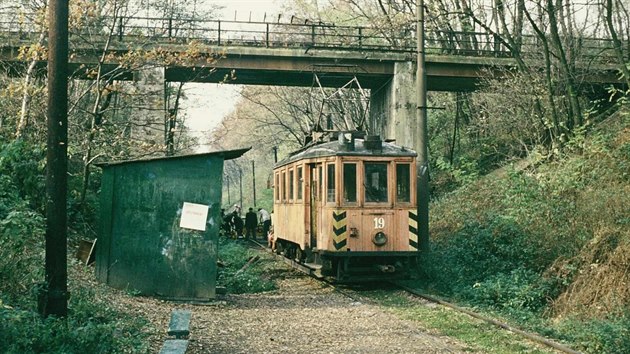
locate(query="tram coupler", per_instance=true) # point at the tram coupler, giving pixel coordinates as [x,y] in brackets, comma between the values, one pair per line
[386,268]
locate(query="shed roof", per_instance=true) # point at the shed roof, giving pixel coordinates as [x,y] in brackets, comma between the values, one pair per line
[226,154]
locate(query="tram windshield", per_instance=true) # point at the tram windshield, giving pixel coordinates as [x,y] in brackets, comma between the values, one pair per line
[350,182]
[375,182]
[403,183]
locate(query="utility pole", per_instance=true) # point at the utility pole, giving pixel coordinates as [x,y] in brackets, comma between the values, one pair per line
[53,298]
[254,180]
[422,193]
[227,177]
[240,182]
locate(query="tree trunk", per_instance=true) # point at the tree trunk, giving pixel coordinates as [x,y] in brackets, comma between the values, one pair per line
[27,97]
[608,5]
[576,112]
[550,89]
[172,122]
[97,113]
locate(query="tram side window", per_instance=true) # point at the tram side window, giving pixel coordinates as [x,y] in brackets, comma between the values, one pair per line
[291,183]
[350,182]
[330,195]
[320,184]
[284,186]
[300,182]
[375,182]
[403,183]
[277,187]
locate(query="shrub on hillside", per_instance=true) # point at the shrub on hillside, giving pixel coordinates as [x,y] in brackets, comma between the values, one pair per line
[22,239]
[477,252]
[599,336]
[23,164]
[90,327]
[518,291]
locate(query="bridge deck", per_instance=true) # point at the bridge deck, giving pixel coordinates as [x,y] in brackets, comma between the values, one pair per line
[289,54]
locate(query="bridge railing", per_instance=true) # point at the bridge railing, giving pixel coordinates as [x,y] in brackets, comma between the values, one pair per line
[304,35]
[264,34]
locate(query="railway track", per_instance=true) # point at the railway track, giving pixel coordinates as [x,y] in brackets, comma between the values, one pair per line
[415,293]
[531,336]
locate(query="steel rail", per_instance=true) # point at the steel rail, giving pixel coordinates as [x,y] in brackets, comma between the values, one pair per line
[531,336]
[534,337]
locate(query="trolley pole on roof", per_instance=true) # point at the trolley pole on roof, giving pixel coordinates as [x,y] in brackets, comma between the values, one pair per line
[423,154]
[53,298]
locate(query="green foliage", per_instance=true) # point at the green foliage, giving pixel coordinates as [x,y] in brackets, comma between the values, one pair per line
[21,227]
[521,241]
[599,336]
[91,327]
[249,280]
[464,171]
[519,291]
[479,253]
[24,163]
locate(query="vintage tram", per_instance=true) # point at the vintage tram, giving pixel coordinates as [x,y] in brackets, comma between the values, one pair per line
[347,208]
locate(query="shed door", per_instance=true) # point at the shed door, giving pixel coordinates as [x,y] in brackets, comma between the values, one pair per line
[316,200]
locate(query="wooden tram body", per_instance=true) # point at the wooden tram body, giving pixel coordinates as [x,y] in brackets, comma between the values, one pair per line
[348,207]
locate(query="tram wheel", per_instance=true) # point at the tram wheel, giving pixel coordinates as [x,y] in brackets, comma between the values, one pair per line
[279,247]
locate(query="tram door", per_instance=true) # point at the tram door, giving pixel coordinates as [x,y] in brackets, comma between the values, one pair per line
[316,200]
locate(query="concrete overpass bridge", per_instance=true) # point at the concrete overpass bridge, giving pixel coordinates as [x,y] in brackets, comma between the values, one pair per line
[291,54]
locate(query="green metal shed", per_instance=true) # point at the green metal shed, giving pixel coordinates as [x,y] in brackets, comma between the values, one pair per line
[159,225]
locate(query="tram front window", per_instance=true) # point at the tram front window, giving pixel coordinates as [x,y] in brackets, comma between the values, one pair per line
[403,181]
[375,182]
[330,196]
[350,182]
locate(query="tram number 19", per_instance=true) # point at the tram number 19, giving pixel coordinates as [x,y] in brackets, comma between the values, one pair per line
[379,223]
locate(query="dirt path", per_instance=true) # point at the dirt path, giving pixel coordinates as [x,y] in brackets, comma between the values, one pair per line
[305,316]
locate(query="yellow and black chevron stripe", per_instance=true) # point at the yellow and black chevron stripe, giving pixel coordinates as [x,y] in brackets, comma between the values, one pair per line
[340,230]
[413,230]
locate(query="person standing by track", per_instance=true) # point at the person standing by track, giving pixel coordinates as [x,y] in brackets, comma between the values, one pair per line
[265,219]
[251,221]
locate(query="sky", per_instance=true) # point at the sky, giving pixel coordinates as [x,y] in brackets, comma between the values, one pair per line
[207,104]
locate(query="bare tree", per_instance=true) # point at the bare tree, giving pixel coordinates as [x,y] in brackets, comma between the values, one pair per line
[609,9]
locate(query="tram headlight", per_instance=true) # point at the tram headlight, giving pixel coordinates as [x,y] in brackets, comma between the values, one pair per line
[379,238]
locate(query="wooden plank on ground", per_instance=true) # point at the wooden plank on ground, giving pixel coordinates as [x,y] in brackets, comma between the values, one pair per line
[174,346]
[180,323]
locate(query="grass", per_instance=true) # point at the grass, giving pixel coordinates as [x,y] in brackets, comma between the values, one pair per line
[477,336]
[257,277]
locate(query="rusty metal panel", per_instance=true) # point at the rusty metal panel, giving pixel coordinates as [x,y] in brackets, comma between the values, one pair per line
[142,246]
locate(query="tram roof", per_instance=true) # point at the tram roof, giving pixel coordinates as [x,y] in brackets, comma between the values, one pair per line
[335,148]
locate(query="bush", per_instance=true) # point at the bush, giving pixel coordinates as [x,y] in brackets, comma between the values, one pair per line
[90,327]
[519,291]
[477,252]
[599,336]
[24,164]
[22,240]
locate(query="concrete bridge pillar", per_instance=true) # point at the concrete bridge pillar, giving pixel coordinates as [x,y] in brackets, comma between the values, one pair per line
[393,107]
[149,103]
